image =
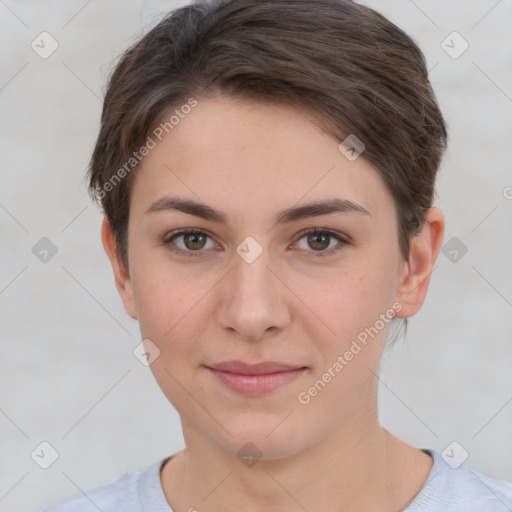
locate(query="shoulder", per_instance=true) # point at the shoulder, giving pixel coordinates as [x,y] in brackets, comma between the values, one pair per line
[461,489]
[123,494]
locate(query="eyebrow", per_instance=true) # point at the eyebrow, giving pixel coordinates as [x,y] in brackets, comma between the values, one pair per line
[314,209]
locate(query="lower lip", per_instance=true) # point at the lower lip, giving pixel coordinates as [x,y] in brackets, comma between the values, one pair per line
[256,384]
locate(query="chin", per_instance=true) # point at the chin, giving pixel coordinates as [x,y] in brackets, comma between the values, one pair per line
[260,441]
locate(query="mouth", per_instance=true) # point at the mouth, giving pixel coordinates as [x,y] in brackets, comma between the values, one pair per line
[255,379]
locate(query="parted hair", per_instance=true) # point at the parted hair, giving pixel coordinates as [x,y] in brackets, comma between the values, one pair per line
[352,68]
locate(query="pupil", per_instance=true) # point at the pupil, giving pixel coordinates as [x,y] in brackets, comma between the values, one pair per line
[193,238]
[323,239]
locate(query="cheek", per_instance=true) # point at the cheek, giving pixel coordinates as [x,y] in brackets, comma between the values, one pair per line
[160,292]
[352,299]
[171,315]
[172,310]
[351,307]
[167,314]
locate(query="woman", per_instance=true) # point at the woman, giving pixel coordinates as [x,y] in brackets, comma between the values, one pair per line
[267,173]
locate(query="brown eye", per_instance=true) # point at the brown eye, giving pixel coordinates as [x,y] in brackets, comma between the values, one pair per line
[322,242]
[189,242]
[194,241]
[318,242]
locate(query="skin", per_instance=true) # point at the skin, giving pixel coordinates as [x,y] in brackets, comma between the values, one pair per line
[251,160]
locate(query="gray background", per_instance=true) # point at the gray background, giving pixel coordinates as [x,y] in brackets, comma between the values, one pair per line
[68,374]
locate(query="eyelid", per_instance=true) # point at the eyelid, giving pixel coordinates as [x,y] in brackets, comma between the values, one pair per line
[331,232]
[342,240]
[169,238]
[185,231]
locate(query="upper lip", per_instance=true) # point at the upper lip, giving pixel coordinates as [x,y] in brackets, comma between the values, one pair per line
[254,369]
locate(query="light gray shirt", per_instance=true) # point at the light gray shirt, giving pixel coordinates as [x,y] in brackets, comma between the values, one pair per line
[446,490]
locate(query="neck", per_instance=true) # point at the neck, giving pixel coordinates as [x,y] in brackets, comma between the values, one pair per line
[363,469]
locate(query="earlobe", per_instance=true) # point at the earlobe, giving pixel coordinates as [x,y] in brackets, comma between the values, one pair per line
[121,274]
[415,275]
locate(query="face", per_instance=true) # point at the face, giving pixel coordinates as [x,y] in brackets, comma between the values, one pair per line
[252,274]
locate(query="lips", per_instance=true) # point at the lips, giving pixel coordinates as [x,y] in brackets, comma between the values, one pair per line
[255,379]
[263,368]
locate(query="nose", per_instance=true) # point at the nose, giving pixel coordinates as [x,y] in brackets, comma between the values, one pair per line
[253,301]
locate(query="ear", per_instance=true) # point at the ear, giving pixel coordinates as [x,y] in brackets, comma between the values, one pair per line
[121,274]
[415,274]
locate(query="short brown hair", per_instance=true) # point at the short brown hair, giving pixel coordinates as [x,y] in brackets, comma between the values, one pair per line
[358,72]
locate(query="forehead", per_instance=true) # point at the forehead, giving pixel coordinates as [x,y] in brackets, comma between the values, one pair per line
[253,156]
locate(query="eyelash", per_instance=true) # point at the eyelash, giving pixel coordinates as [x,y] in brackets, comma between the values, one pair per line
[168,241]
